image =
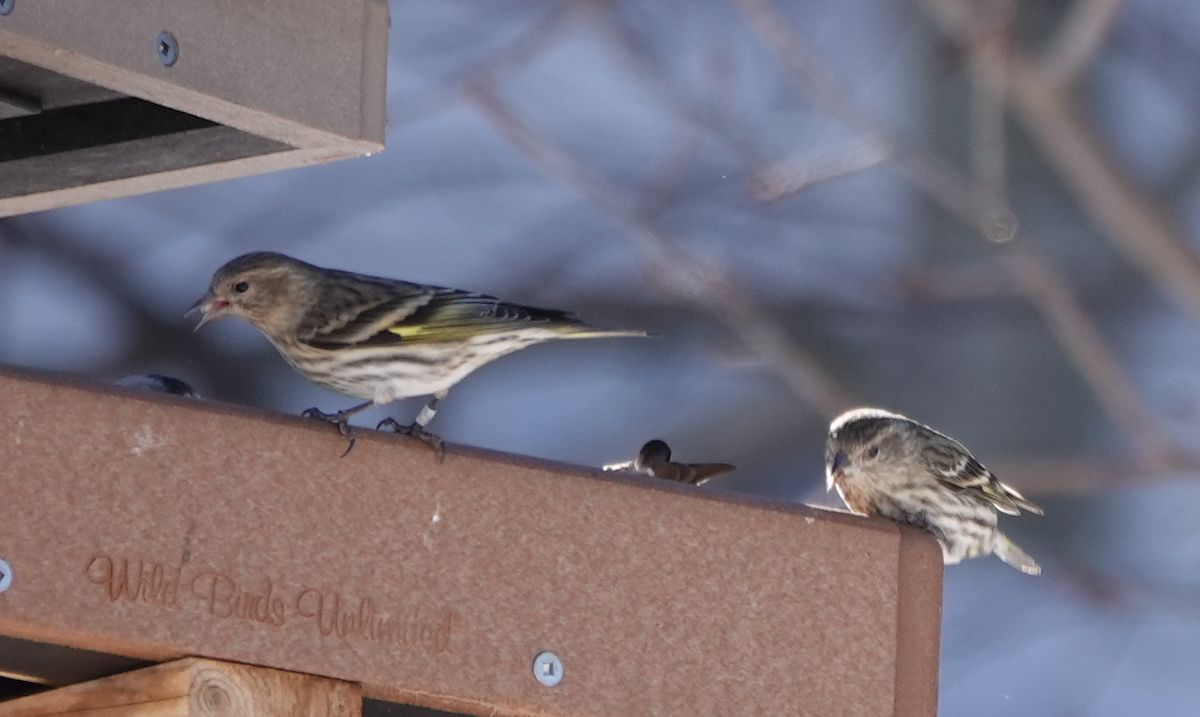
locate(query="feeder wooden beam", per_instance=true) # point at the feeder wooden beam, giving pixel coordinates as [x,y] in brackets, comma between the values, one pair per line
[153,527]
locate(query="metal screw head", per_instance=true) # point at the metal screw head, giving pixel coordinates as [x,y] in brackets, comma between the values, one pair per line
[548,669]
[5,576]
[6,6]
[167,47]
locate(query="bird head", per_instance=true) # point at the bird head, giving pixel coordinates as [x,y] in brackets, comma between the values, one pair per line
[655,451]
[859,439]
[263,288]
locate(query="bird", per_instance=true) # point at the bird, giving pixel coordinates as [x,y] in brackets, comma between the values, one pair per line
[377,338]
[654,460]
[159,383]
[886,464]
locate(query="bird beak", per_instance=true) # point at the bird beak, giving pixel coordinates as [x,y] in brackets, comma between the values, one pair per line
[210,308]
[836,468]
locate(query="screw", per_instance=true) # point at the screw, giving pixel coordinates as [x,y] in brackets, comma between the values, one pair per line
[5,576]
[548,669]
[167,47]
[6,6]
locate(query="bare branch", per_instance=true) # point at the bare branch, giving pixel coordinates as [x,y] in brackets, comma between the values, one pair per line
[1077,334]
[1079,39]
[799,173]
[670,268]
[1077,475]
[983,205]
[1090,354]
[505,62]
[958,283]
[708,114]
[1128,215]
[988,63]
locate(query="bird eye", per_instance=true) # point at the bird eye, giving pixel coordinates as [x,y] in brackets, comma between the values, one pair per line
[241,287]
[873,451]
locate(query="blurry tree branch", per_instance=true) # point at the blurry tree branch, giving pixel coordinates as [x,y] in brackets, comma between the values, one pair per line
[506,61]
[709,115]
[958,283]
[1126,213]
[799,173]
[671,269]
[1079,39]
[1074,475]
[982,204]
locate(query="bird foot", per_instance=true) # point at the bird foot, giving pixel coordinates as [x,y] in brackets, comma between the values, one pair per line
[341,419]
[417,431]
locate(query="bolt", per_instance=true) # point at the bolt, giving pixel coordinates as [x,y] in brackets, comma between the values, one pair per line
[167,47]
[548,669]
[5,576]
[6,6]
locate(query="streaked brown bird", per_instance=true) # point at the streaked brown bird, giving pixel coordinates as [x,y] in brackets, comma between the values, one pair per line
[885,464]
[654,460]
[376,338]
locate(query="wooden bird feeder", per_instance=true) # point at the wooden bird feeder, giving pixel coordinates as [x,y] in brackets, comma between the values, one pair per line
[142,529]
[107,99]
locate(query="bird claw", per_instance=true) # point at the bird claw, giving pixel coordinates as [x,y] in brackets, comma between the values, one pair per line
[341,419]
[415,430]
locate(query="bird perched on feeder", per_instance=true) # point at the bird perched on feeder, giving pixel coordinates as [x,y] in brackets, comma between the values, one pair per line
[885,464]
[377,338]
[654,460]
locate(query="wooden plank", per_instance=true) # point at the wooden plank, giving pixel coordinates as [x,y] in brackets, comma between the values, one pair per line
[195,688]
[31,182]
[91,125]
[286,84]
[304,74]
[155,528]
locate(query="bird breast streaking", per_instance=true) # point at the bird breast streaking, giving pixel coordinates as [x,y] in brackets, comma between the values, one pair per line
[376,338]
[886,464]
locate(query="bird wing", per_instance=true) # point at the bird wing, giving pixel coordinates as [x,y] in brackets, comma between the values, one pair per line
[452,315]
[690,473]
[954,467]
[383,312]
[701,472]
[356,310]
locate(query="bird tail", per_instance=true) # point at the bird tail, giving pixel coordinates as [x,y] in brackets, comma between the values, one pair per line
[1008,551]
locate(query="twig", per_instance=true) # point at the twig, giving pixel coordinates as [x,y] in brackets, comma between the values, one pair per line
[958,283]
[1077,474]
[701,114]
[688,278]
[1129,217]
[504,62]
[799,173]
[985,210]
[1079,39]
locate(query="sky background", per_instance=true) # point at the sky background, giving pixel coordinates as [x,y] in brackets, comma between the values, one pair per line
[790,199]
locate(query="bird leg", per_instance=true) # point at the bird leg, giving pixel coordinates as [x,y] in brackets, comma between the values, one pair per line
[417,428]
[341,419]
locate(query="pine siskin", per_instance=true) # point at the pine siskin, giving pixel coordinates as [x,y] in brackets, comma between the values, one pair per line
[885,464]
[654,460]
[376,338]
